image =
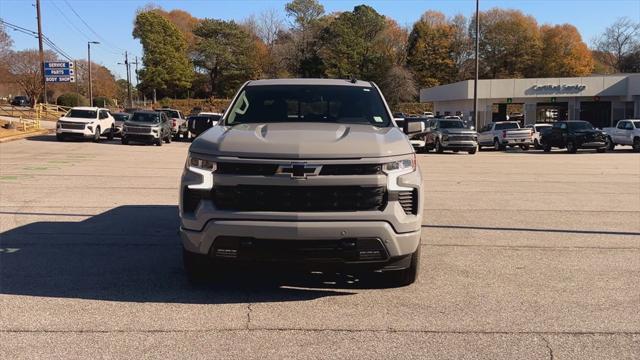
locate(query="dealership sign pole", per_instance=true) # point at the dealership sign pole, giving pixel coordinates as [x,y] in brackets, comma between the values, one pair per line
[475,82]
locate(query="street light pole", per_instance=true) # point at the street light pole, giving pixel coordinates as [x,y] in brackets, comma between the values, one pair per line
[475,82]
[89,64]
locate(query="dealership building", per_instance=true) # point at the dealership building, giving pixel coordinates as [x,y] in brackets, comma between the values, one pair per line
[602,99]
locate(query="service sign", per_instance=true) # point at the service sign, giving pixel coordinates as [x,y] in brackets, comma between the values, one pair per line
[59,71]
[58,64]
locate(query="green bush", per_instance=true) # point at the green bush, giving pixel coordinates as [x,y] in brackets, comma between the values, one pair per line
[102,101]
[72,99]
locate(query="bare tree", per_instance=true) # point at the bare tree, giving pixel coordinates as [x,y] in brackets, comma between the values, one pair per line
[619,41]
[398,86]
[24,66]
[269,24]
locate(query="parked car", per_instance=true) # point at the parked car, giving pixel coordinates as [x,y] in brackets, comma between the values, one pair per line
[20,100]
[504,133]
[307,173]
[573,135]
[178,122]
[87,123]
[428,114]
[626,132]
[120,119]
[536,129]
[450,134]
[202,122]
[148,127]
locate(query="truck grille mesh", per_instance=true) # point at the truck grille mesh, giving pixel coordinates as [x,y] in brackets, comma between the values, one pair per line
[299,198]
[409,201]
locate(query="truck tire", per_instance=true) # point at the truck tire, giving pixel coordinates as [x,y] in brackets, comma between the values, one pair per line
[96,136]
[196,266]
[111,132]
[524,147]
[546,147]
[602,150]
[124,140]
[636,144]
[159,141]
[407,276]
[439,148]
[610,144]
[473,151]
[497,146]
[571,147]
[536,144]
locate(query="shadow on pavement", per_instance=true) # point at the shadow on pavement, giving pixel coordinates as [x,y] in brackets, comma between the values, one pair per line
[133,254]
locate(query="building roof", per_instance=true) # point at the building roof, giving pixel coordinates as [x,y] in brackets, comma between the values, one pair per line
[339,82]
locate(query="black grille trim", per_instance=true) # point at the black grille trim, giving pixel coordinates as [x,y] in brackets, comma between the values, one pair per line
[409,201]
[246,169]
[254,169]
[352,169]
[300,198]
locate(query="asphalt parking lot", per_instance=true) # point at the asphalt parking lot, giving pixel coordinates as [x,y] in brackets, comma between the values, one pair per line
[525,255]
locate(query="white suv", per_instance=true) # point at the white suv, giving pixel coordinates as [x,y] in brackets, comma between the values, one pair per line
[86,123]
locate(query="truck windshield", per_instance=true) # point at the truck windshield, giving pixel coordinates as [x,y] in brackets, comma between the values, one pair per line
[581,125]
[120,117]
[171,113]
[82,114]
[309,103]
[451,124]
[145,117]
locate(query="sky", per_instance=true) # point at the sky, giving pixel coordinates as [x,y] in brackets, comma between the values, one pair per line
[111,21]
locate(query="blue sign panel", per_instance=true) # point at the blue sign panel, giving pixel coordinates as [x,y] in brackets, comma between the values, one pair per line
[58,64]
[56,79]
[58,72]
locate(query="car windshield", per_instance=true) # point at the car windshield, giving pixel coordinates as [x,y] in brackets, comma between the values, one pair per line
[146,117]
[507,126]
[82,114]
[580,125]
[451,124]
[120,117]
[172,113]
[309,103]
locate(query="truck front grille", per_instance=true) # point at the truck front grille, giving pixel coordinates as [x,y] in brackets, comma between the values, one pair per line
[138,130]
[299,198]
[249,169]
[72,126]
[460,138]
[409,201]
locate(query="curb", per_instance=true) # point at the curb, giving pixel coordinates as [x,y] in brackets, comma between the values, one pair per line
[25,135]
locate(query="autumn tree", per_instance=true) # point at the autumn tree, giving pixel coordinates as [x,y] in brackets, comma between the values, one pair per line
[224,51]
[24,67]
[619,45]
[265,29]
[510,44]
[350,45]
[462,48]
[563,52]
[167,68]
[302,43]
[430,50]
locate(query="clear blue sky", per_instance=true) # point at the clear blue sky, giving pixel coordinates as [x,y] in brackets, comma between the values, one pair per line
[112,19]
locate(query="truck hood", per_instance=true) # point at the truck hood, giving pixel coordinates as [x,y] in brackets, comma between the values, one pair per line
[458,132]
[302,141]
[135,123]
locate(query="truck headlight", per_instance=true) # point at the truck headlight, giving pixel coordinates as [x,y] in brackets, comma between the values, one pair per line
[201,163]
[204,168]
[401,166]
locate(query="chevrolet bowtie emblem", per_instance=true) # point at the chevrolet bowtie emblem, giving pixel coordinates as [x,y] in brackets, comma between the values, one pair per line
[299,170]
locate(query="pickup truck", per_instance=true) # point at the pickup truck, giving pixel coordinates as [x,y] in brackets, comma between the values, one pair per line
[306,174]
[573,135]
[502,134]
[626,132]
[178,122]
[450,134]
[536,130]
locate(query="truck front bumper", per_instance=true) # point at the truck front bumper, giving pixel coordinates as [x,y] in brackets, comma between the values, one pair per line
[459,145]
[310,243]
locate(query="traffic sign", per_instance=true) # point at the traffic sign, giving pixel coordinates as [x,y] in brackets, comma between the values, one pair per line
[59,71]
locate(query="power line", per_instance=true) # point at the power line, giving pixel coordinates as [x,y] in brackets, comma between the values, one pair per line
[91,29]
[68,20]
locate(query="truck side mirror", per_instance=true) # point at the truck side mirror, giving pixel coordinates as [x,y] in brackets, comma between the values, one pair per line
[413,126]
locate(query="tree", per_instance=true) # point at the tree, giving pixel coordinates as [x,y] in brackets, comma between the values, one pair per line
[224,50]
[398,86]
[350,43]
[167,68]
[24,67]
[304,12]
[299,49]
[619,45]
[265,29]
[462,48]
[510,44]
[5,42]
[563,52]
[430,50]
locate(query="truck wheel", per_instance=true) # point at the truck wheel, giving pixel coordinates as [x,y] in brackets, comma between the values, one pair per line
[536,144]
[439,148]
[602,150]
[407,276]
[159,141]
[124,140]
[496,145]
[471,152]
[571,147]
[111,132]
[524,147]
[636,144]
[610,145]
[546,147]
[96,136]
[195,266]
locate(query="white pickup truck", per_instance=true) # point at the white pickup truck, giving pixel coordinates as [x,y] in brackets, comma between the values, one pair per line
[626,132]
[501,134]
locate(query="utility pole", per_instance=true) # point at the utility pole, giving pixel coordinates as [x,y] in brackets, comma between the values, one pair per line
[44,80]
[137,80]
[475,82]
[89,64]
[126,63]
